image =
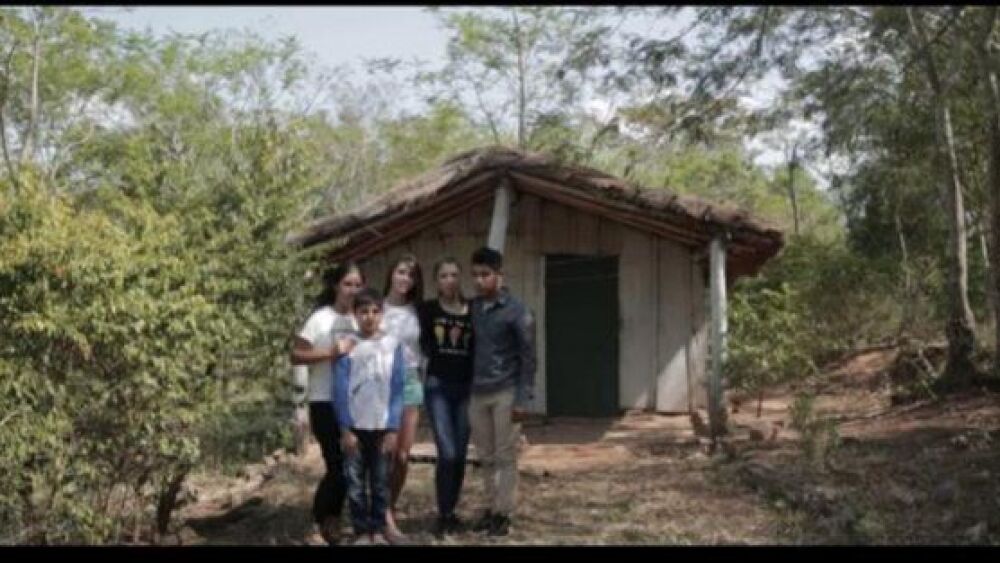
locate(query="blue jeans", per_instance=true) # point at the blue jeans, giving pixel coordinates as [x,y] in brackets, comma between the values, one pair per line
[367,473]
[447,404]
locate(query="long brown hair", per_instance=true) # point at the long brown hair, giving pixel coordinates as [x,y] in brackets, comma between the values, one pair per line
[449,260]
[416,293]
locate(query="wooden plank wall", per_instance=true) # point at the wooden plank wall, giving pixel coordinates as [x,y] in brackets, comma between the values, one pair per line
[698,349]
[662,337]
[673,327]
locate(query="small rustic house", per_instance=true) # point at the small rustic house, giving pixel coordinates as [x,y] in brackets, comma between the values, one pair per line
[617,275]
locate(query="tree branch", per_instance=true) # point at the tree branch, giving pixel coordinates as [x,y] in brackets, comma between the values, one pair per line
[920,50]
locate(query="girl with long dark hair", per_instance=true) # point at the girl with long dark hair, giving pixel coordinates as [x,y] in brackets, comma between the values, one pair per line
[328,333]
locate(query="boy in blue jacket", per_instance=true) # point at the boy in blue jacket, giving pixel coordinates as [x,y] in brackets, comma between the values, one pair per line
[368,403]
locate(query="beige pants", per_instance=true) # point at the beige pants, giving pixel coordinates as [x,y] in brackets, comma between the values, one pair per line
[496,438]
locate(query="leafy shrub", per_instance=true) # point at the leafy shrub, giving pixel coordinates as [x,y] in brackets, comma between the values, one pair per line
[807,307]
[767,340]
[107,341]
[818,436]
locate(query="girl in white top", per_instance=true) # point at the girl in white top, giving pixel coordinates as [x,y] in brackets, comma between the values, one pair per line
[404,288]
[328,333]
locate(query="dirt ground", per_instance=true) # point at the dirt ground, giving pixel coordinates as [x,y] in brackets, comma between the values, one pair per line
[925,473]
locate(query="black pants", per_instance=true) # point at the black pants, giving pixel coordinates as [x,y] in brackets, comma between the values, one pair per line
[367,473]
[332,489]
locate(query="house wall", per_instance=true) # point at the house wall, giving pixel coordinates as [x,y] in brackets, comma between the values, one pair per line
[663,336]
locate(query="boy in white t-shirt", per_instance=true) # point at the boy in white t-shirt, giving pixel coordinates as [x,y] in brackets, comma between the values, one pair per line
[368,401]
[328,333]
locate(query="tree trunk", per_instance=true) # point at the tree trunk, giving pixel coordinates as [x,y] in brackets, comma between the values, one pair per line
[907,275]
[792,164]
[985,251]
[30,141]
[991,99]
[167,502]
[959,328]
[518,38]
[4,91]
[907,279]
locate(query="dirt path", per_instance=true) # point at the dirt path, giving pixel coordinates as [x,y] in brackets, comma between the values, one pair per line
[909,474]
[642,479]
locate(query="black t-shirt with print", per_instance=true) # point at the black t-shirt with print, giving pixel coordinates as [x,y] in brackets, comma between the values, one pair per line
[447,341]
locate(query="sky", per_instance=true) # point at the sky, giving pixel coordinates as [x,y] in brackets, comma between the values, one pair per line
[338,35]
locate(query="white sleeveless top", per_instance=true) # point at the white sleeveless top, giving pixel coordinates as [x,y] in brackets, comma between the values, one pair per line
[401,321]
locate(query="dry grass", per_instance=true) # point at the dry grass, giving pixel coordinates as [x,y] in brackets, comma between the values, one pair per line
[645,480]
[924,473]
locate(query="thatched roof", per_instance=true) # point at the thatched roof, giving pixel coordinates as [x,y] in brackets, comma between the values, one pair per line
[470,177]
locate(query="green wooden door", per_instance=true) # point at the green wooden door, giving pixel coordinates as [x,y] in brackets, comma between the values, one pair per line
[581,335]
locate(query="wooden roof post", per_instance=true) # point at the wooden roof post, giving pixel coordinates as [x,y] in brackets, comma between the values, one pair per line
[501,214]
[718,329]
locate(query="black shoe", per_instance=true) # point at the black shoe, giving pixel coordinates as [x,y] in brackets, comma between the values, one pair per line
[449,524]
[500,526]
[484,523]
[455,524]
[440,527]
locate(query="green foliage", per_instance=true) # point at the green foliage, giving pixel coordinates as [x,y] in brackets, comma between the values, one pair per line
[146,288]
[769,338]
[415,143]
[521,68]
[818,437]
[148,296]
[848,301]
[243,431]
[813,302]
[107,344]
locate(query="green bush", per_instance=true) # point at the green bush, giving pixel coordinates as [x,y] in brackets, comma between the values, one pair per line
[107,341]
[768,339]
[814,302]
[244,432]
[818,436]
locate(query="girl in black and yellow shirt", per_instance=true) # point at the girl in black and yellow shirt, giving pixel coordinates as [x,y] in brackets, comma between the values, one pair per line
[447,341]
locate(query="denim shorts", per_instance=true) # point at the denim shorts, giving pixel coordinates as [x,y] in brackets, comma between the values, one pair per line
[413,389]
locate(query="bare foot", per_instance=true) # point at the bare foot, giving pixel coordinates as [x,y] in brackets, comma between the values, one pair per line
[316,538]
[390,523]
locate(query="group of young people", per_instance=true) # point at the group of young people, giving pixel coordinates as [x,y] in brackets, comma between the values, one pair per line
[374,359]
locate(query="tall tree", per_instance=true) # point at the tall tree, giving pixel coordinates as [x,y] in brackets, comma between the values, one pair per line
[986,51]
[520,67]
[959,329]
[866,54]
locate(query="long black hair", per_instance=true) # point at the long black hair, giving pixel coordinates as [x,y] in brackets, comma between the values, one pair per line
[332,278]
[416,293]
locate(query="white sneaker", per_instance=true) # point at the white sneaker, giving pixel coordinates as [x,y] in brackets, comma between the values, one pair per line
[380,539]
[363,539]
